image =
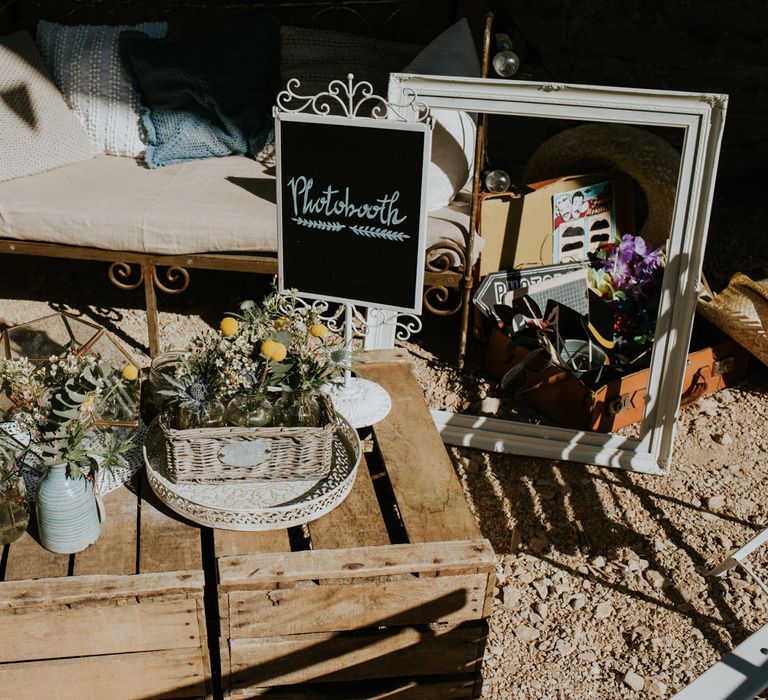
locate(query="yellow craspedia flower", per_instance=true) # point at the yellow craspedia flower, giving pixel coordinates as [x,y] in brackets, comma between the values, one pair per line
[130,372]
[319,330]
[280,322]
[274,350]
[228,326]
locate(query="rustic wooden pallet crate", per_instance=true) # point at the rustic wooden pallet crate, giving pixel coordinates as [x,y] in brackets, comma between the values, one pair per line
[386,596]
[123,619]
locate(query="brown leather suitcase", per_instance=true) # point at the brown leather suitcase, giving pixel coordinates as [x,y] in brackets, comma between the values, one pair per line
[619,403]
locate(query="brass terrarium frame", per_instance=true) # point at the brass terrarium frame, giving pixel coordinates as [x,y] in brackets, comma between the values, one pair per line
[73,331]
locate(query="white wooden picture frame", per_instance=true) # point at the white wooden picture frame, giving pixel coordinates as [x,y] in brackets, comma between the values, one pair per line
[701,118]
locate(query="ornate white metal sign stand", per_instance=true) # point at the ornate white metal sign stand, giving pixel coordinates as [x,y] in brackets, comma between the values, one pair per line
[360,401]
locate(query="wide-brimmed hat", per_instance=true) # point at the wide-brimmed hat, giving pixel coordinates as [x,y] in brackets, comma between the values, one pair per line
[741,311]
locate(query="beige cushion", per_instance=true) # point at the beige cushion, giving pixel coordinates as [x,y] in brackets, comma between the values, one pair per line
[37,130]
[212,205]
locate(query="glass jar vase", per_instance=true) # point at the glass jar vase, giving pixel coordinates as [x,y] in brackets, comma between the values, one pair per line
[14,509]
[212,415]
[250,410]
[298,409]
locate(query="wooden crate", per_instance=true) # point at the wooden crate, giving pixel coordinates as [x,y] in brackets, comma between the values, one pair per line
[385,596]
[122,619]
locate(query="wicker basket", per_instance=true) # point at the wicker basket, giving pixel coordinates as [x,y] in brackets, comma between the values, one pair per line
[250,454]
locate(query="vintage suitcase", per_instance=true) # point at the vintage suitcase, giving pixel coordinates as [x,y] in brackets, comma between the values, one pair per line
[717,363]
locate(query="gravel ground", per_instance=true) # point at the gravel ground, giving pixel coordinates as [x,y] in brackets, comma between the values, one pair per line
[600,586]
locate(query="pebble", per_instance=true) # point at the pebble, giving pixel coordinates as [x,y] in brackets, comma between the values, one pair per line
[542,587]
[577,602]
[708,406]
[657,687]
[527,634]
[474,466]
[725,541]
[563,647]
[656,579]
[511,597]
[524,577]
[542,609]
[722,439]
[490,405]
[642,633]
[715,501]
[598,562]
[634,681]
[538,544]
[603,610]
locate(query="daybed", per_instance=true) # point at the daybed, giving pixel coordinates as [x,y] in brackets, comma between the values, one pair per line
[153,226]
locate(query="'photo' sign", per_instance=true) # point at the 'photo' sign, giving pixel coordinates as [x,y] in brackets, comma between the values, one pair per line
[352,209]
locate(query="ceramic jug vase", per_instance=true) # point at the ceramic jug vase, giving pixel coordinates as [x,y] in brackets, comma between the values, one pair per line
[67,513]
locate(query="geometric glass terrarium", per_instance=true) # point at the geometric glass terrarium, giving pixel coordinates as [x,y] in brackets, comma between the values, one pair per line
[52,335]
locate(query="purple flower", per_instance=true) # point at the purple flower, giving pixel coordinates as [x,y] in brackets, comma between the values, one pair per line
[632,247]
[618,268]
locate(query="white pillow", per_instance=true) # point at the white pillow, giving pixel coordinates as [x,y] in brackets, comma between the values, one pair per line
[87,68]
[453,141]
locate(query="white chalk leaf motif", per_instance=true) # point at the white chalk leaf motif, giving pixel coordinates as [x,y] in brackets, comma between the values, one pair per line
[319,224]
[377,232]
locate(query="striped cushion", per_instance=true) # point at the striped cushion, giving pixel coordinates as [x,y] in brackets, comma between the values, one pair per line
[87,68]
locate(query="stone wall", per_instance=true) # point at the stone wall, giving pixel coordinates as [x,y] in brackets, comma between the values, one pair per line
[691,45]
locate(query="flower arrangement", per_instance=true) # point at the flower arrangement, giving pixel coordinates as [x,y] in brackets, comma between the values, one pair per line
[279,349]
[628,272]
[58,403]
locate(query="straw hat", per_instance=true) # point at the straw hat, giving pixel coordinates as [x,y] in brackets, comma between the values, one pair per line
[741,310]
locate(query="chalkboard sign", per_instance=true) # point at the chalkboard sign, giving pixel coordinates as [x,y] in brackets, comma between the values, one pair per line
[352,208]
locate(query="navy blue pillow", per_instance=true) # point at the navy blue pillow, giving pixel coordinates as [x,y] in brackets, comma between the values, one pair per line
[209,95]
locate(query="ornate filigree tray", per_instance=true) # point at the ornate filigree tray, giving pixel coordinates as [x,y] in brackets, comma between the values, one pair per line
[256,505]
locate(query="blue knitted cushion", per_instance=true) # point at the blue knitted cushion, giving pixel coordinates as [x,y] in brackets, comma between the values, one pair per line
[209,95]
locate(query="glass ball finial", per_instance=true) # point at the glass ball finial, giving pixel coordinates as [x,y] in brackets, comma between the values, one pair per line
[505,62]
[497,181]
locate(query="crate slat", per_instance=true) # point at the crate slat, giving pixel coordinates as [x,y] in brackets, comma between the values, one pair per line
[28,560]
[166,542]
[83,589]
[357,521]
[230,542]
[176,673]
[331,657]
[95,630]
[428,493]
[115,550]
[241,572]
[432,688]
[407,601]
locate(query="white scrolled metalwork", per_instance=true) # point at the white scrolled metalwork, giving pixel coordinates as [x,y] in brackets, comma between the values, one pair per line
[350,97]
[405,325]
